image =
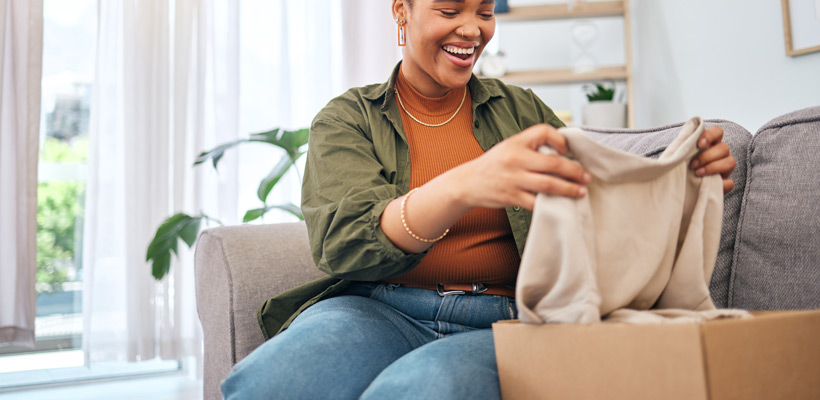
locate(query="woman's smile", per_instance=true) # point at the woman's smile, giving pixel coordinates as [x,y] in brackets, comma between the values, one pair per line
[461,54]
[444,40]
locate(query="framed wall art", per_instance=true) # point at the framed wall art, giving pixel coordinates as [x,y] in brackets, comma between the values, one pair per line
[801,26]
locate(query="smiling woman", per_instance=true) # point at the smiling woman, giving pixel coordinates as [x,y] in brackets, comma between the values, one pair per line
[445,38]
[417,195]
[413,203]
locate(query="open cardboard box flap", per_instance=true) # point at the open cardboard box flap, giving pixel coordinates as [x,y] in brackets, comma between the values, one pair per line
[775,355]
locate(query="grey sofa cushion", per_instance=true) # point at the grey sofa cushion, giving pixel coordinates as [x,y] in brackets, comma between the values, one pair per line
[652,142]
[777,255]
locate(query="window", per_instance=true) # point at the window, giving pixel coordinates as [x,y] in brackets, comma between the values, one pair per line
[69,43]
[69,34]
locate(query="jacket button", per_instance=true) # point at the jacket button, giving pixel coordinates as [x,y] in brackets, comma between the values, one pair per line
[516,208]
[476,123]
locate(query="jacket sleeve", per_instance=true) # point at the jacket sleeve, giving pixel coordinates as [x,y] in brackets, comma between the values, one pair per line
[344,192]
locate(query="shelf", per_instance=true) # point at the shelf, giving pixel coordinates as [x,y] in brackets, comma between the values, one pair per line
[563,75]
[586,9]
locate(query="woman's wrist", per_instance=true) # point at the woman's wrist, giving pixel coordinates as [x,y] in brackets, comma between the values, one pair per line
[433,208]
[456,190]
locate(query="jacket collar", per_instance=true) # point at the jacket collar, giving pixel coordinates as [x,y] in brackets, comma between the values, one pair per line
[480,90]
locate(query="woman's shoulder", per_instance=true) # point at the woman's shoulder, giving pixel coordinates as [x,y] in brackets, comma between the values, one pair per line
[355,101]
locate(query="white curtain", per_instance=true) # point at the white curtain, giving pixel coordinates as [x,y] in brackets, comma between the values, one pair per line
[298,55]
[21,49]
[166,87]
[369,42]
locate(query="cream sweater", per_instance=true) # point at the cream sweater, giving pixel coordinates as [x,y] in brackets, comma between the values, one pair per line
[645,236]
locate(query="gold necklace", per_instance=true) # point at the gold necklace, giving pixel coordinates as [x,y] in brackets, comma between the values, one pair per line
[433,125]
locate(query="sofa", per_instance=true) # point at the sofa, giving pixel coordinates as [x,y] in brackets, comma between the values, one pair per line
[769,257]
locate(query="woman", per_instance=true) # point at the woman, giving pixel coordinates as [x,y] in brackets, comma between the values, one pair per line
[434,155]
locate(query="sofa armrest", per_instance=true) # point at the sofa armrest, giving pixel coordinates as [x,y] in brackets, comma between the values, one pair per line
[238,268]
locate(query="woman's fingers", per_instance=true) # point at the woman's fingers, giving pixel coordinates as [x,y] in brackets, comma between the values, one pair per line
[710,136]
[728,185]
[717,152]
[720,165]
[542,134]
[542,183]
[555,165]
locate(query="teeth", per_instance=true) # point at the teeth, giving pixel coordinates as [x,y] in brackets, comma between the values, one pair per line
[459,50]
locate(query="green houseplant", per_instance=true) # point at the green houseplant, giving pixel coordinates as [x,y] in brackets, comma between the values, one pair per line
[185,227]
[599,92]
[602,110]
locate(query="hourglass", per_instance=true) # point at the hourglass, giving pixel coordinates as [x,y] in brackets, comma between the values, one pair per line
[584,33]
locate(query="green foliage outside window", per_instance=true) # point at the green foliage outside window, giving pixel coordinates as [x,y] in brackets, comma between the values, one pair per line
[59,216]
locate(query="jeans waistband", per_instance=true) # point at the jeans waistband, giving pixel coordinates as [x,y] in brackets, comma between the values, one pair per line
[466,288]
[426,305]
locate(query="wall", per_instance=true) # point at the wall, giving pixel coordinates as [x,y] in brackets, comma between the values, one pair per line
[717,59]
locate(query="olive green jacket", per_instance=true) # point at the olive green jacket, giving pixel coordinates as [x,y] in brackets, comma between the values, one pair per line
[358,161]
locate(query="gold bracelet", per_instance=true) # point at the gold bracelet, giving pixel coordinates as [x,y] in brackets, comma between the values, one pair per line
[407,228]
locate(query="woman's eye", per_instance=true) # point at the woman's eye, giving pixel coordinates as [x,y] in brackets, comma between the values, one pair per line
[488,15]
[448,13]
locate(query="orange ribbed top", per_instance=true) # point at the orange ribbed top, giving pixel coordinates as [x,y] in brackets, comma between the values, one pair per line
[480,247]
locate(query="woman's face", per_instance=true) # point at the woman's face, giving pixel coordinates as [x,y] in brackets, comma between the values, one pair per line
[444,39]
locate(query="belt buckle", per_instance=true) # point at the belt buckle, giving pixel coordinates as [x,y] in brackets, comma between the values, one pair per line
[478,288]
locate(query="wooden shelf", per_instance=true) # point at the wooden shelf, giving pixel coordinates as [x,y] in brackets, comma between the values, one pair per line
[581,9]
[564,75]
[586,9]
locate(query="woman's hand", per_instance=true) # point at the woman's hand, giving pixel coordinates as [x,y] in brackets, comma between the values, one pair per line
[716,158]
[513,172]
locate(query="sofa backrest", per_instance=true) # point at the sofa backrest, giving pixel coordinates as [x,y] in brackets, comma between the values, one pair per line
[652,142]
[777,251]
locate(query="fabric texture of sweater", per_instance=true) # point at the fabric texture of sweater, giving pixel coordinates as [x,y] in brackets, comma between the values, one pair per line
[645,237]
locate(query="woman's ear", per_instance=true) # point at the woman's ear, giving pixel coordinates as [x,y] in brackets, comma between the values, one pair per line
[400,10]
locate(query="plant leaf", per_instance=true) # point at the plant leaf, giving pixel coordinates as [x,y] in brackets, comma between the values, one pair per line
[599,92]
[165,241]
[190,231]
[161,266]
[278,171]
[251,215]
[166,235]
[290,141]
[217,152]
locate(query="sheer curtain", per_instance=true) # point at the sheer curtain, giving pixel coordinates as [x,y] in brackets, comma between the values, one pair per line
[166,87]
[21,49]
[298,55]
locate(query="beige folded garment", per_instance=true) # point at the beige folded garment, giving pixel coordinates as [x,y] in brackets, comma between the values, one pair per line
[645,236]
[671,316]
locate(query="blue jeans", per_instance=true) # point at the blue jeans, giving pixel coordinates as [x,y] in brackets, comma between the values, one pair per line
[379,341]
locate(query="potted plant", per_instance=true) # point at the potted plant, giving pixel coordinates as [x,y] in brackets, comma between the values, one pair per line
[603,111]
[186,227]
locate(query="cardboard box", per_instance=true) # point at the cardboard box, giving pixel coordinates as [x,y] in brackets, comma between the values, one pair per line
[775,355]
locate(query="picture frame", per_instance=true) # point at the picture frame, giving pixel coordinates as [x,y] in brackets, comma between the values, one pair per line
[801,26]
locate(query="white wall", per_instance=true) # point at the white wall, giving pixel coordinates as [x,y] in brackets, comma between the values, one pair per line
[717,59]
[714,58]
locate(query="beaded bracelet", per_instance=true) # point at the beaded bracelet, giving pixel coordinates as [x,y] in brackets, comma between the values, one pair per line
[407,228]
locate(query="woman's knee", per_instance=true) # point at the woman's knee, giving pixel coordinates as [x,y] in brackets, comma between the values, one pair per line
[304,361]
[457,366]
